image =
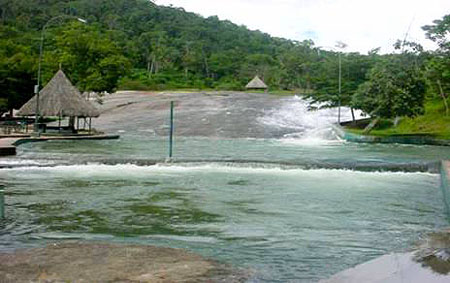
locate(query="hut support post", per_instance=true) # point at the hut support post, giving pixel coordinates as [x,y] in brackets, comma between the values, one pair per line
[171,131]
[59,123]
[90,125]
[78,124]
[25,125]
[2,202]
[72,124]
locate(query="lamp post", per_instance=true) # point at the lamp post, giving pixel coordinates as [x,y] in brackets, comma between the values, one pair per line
[41,48]
[341,46]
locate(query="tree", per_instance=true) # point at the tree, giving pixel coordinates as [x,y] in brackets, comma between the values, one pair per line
[91,59]
[17,70]
[438,66]
[325,78]
[165,47]
[394,88]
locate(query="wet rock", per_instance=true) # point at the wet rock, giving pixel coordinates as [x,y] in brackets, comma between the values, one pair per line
[99,262]
[434,252]
[429,262]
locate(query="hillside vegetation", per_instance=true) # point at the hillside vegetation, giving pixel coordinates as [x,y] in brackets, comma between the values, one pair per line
[434,122]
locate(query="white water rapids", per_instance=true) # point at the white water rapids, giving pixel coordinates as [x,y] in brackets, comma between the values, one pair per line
[307,127]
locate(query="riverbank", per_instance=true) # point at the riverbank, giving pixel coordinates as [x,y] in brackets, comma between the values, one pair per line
[433,124]
[357,136]
[99,262]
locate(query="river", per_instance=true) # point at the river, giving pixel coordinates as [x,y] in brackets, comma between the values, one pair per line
[257,181]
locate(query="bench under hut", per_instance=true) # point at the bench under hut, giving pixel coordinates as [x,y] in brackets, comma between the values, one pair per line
[59,98]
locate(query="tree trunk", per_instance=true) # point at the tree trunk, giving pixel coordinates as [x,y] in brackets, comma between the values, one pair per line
[148,68]
[443,97]
[372,125]
[152,65]
[205,61]
[299,84]
[72,123]
[353,115]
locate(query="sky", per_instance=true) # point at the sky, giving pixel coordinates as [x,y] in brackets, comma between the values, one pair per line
[363,25]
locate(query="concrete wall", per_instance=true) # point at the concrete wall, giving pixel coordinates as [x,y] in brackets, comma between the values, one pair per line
[404,139]
[445,184]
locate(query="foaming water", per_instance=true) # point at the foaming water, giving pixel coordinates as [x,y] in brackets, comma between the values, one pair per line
[11,162]
[307,127]
[135,171]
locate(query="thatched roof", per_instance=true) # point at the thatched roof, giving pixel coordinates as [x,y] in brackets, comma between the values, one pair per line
[256,83]
[59,97]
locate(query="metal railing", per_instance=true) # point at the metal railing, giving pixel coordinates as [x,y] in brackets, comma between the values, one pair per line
[13,128]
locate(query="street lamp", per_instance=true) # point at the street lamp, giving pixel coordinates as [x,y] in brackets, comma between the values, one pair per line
[41,47]
[341,45]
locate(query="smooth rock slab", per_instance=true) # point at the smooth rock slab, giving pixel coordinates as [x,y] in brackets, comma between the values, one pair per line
[394,268]
[94,262]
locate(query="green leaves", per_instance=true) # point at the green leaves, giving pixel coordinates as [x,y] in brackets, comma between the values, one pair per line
[439,32]
[89,57]
[438,65]
[17,68]
[394,88]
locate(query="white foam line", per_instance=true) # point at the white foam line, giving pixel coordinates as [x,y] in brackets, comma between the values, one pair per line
[6,162]
[134,170]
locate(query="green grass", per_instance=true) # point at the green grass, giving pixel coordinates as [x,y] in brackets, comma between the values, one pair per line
[433,123]
[196,90]
[272,92]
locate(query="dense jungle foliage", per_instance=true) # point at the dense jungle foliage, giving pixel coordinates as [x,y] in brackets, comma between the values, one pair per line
[136,44]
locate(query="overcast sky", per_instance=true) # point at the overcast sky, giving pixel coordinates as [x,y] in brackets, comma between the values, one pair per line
[362,24]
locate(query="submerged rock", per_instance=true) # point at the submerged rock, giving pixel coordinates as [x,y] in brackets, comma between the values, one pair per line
[98,262]
[434,252]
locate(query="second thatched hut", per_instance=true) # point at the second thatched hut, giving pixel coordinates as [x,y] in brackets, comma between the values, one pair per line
[256,83]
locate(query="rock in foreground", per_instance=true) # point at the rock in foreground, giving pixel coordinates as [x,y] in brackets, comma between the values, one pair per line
[93,262]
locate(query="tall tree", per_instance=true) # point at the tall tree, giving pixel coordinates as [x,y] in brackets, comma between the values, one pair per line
[438,66]
[17,69]
[92,60]
[394,88]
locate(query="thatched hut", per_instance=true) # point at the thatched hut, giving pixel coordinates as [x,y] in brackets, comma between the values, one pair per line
[61,99]
[256,83]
